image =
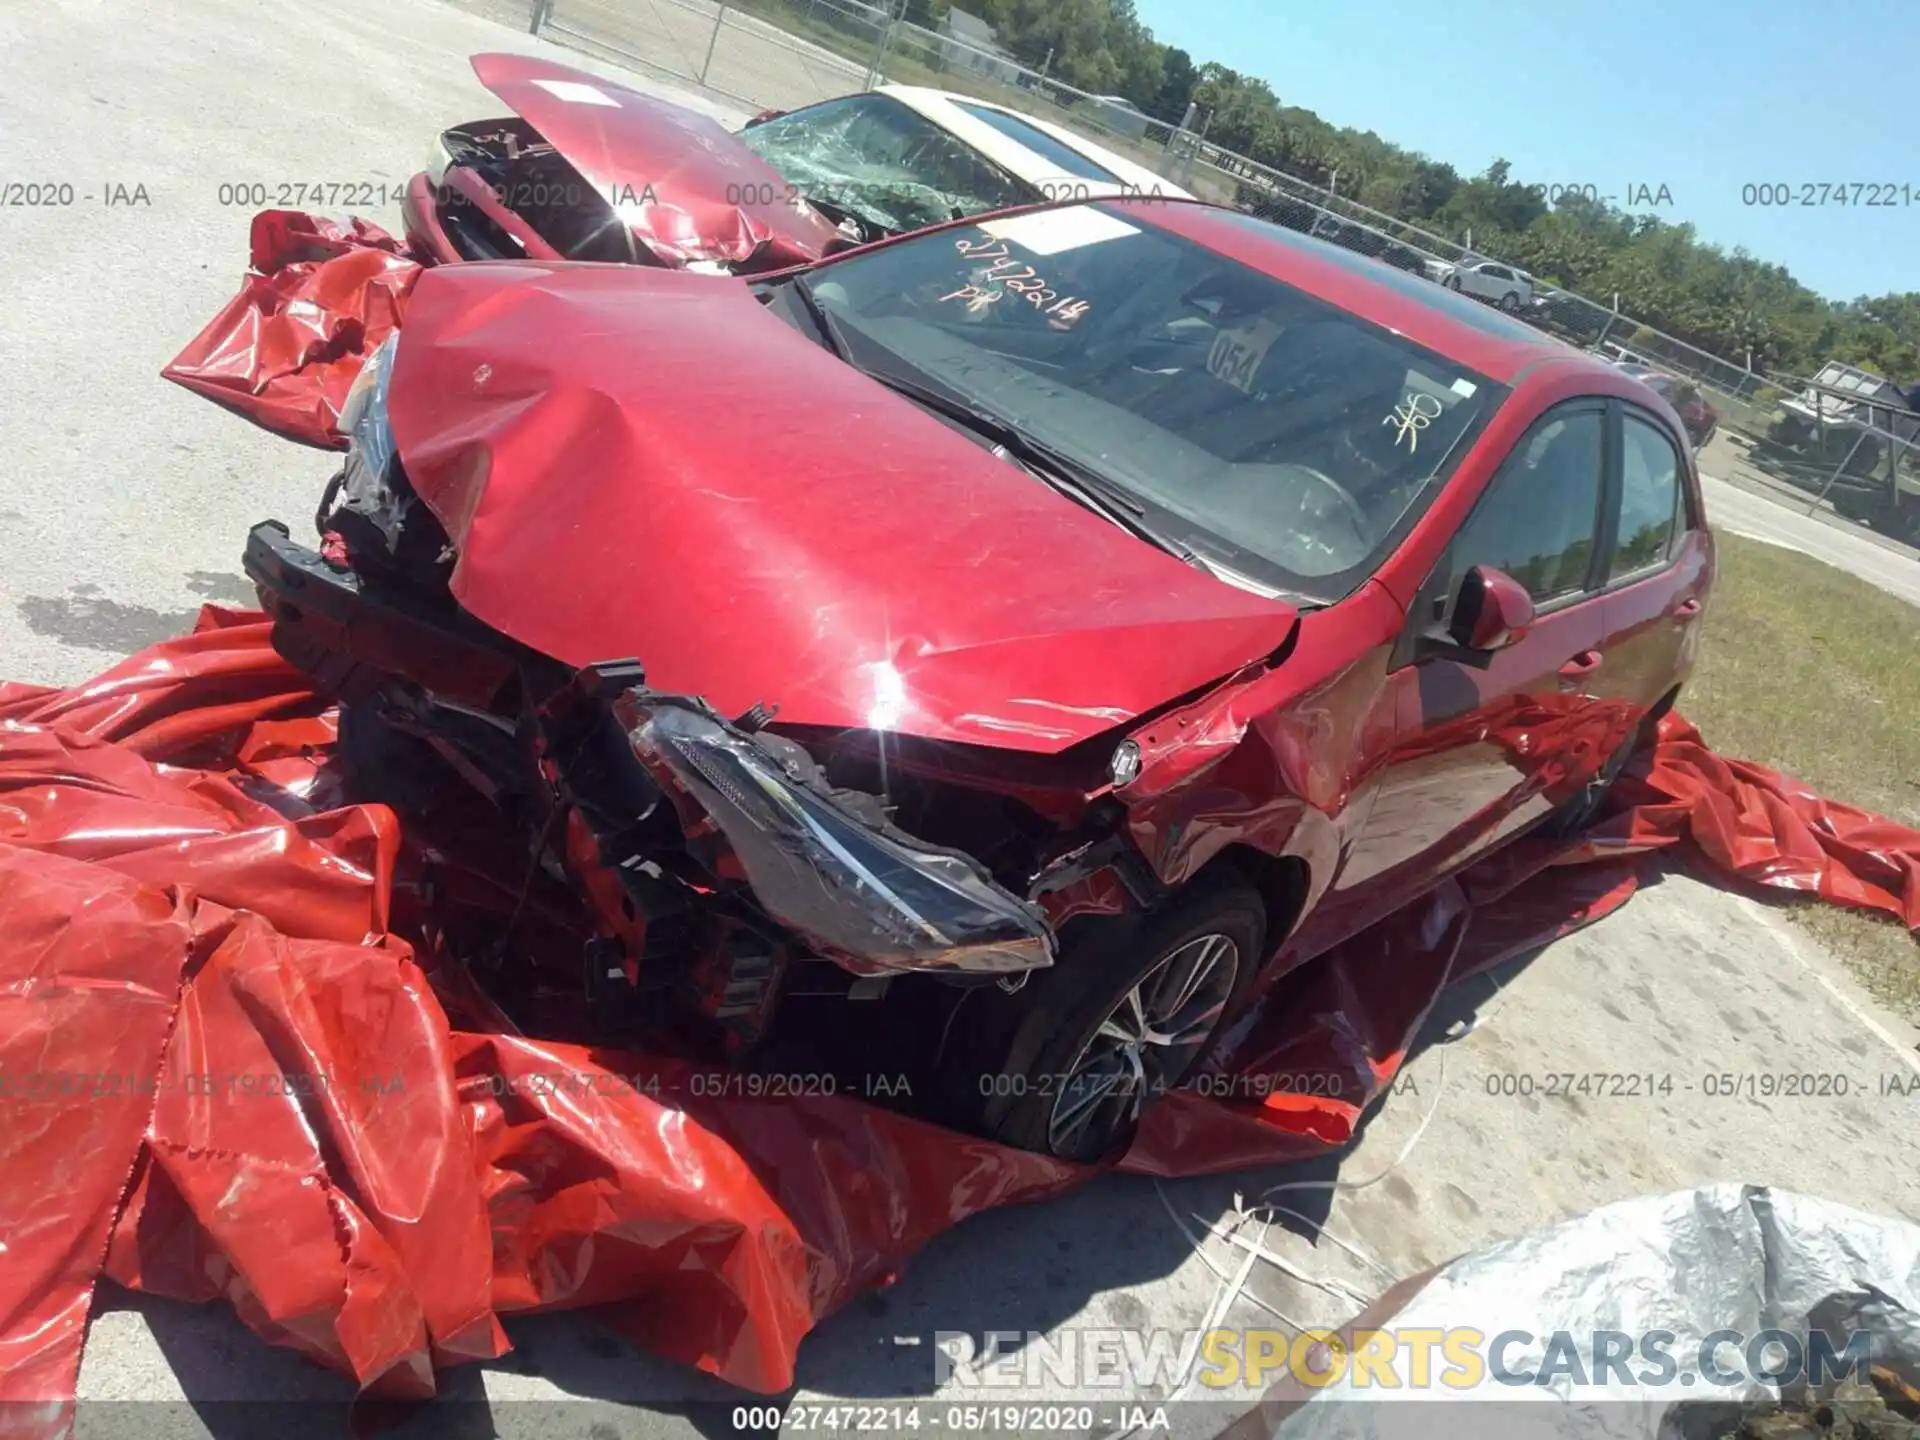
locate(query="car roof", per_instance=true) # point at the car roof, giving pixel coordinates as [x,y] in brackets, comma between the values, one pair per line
[944,108]
[1647,373]
[1478,336]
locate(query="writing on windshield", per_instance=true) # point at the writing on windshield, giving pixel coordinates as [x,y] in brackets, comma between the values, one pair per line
[1266,428]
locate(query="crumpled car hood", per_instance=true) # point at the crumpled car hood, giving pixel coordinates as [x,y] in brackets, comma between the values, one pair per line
[667,170]
[639,462]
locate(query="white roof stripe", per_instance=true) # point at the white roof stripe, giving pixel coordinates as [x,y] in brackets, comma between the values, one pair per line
[939,106]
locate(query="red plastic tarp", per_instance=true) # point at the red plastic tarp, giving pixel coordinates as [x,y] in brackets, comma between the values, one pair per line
[320,297]
[233,1065]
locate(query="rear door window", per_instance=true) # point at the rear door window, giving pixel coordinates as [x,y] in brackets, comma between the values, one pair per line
[1649,499]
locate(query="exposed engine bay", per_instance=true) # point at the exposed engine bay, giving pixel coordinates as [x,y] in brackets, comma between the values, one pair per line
[527,175]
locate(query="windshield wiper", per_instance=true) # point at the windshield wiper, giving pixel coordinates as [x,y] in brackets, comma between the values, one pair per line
[822,319]
[1061,472]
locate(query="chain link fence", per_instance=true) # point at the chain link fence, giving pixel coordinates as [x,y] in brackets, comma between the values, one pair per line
[1847,440]
[771,55]
[1824,440]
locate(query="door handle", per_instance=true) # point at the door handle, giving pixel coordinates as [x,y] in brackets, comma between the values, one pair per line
[1688,608]
[1580,667]
[1577,671]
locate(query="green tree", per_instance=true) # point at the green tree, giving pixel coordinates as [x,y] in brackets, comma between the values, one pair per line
[1727,304]
[1178,77]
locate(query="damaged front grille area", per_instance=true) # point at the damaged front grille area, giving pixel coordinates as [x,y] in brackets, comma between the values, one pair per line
[713,856]
[753,811]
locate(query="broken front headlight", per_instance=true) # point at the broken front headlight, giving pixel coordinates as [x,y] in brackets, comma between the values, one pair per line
[363,415]
[874,902]
[363,493]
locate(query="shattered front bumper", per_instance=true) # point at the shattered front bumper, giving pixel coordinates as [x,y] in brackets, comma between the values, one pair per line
[326,622]
[867,896]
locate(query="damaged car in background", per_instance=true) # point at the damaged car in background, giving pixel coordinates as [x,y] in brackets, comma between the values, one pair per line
[587,169]
[1032,636]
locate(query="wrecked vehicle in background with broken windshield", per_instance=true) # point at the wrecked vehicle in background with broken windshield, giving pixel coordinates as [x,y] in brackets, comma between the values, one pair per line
[1019,642]
[587,169]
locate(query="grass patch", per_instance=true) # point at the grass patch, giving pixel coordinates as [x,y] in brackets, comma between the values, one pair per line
[1814,672]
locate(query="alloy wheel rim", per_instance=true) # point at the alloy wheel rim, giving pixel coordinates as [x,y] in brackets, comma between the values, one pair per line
[1144,1044]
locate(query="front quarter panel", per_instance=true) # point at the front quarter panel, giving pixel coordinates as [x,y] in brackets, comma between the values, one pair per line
[1278,759]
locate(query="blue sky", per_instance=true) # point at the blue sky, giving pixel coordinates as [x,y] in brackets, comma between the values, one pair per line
[1702,96]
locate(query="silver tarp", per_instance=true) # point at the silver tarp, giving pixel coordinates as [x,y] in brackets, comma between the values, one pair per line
[1666,1274]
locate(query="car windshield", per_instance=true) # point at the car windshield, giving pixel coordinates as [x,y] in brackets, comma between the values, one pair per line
[886,165]
[1284,442]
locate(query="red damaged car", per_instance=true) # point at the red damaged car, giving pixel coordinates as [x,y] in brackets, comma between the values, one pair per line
[1032,636]
[587,169]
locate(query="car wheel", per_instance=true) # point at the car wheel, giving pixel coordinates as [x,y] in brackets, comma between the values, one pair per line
[1124,1015]
[382,765]
[1453,283]
[1903,523]
[1510,301]
[1856,505]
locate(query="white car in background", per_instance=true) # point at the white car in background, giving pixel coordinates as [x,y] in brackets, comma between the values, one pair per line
[588,169]
[1489,280]
[889,144]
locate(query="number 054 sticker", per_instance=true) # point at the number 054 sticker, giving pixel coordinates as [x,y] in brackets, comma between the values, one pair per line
[1236,353]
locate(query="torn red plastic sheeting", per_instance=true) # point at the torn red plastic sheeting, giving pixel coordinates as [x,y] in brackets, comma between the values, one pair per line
[320,297]
[228,1071]
[105,990]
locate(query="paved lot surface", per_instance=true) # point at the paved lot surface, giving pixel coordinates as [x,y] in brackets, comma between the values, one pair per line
[1758,511]
[124,499]
[122,505]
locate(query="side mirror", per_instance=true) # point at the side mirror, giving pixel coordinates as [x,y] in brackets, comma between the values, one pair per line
[1492,610]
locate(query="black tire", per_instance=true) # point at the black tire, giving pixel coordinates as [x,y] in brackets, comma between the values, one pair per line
[386,763]
[1452,282]
[1031,1059]
[381,765]
[1857,457]
[1510,302]
[1862,507]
